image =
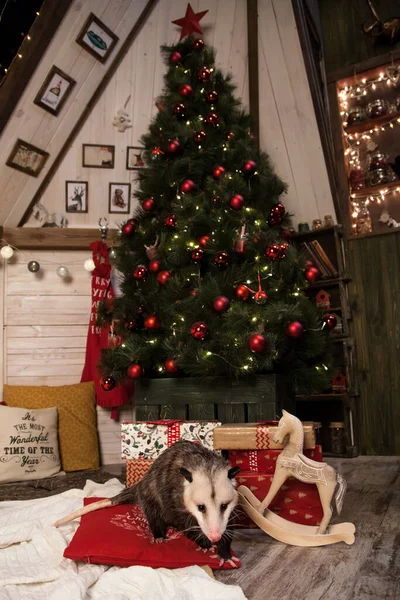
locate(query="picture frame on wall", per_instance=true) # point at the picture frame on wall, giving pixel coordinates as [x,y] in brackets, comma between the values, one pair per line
[27,158]
[76,196]
[54,91]
[96,38]
[98,156]
[119,198]
[134,158]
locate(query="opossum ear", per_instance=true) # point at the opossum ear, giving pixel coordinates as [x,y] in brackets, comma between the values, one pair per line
[187,474]
[233,471]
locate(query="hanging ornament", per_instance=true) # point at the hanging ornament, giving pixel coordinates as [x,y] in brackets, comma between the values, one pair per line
[242,292]
[186,90]
[148,204]
[274,220]
[179,110]
[276,251]
[312,275]
[34,266]
[154,266]
[62,272]
[163,277]
[236,202]
[261,297]
[199,136]
[151,322]
[218,172]
[187,186]
[249,167]
[199,330]
[170,366]
[140,273]
[152,250]
[190,22]
[134,371]
[170,221]
[278,209]
[204,74]
[175,58]
[256,343]
[156,154]
[197,255]
[131,325]
[203,241]
[216,199]
[211,97]
[173,147]
[330,321]
[6,252]
[221,304]
[221,259]
[294,330]
[88,265]
[129,228]
[212,119]
[198,45]
[241,242]
[230,136]
[108,383]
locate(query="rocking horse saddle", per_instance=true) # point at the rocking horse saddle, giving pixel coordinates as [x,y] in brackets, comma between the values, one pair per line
[311,463]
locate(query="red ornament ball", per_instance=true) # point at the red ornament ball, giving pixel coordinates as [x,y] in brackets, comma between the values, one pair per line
[221,259]
[170,366]
[249,167]
[151,322]
[140,273]
[173,147]
[330,321]
[199,136]
[198,45]
[134,371]
[148,204]
[170,221]
[179,110]
[276,251]
[197,255]
[278,209]
[256,343]
[212,119]
[204,74]
[211,96]
[156,153]
[186,90]
[260,297]
[108,383]
[187,186]
[312,274]
[203,241]
[230,136]
[221,304]
[199,330]
[193,293]
[131,325]
[129,228]
[236,202]
[274,220]
[163,277]
[154,266]
[294,330]
[175,58]
[242,292]
[218,172]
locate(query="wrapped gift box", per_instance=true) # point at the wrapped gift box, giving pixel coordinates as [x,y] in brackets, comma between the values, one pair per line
[148,439]
[136,468]
[264,461]
[255,436]
[295,501]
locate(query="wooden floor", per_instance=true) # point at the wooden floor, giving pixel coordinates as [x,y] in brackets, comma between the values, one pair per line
[368,570]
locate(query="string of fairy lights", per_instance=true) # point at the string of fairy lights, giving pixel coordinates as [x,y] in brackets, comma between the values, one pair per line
[353,140]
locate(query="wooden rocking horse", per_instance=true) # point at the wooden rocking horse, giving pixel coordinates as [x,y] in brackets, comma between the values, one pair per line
[292,463]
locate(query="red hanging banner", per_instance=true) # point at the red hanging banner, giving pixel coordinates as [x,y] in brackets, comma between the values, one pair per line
[98,336]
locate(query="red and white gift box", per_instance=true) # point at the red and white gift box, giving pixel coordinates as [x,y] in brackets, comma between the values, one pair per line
[136,468]
[264,461]
[255,436]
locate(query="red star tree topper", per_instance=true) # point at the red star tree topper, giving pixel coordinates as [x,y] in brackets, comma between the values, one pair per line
[190,22]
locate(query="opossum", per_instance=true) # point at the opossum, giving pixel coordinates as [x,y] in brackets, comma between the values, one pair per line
[188,487]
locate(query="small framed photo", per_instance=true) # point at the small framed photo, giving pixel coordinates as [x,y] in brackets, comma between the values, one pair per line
[76,196]
[98,156]
[134,158]
[119,198]
[97,38]
[27,158]
[55,90]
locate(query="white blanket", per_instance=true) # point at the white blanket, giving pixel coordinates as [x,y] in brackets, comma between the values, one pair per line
[32,564]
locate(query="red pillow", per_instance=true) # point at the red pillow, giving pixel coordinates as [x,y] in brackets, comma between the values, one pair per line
[120,535]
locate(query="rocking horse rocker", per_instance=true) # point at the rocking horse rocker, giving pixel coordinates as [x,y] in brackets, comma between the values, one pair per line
[292,463]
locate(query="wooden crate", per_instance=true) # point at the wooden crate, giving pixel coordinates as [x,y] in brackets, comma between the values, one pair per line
[253,399]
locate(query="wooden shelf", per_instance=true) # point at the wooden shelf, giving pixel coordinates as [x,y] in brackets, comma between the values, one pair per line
[374,190]
[369,124]
[316,232]
[329,282]
[45,238]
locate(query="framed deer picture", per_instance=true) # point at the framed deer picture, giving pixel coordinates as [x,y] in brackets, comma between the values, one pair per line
[76,196]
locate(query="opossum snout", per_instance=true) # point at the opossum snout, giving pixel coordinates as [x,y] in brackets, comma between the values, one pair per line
[214,537]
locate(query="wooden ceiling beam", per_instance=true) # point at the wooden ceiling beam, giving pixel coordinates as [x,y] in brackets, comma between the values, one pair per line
[52,238]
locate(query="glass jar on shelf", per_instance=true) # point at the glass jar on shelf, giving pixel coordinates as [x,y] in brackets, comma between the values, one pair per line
[356,114]
[377,160]
[337,437]
[357,179]
[377,108]
[380,176]
[363,221]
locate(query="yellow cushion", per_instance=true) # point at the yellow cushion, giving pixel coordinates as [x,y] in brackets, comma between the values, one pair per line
[77,430]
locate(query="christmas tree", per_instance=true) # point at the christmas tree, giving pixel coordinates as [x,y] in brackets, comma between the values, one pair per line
[210,283]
